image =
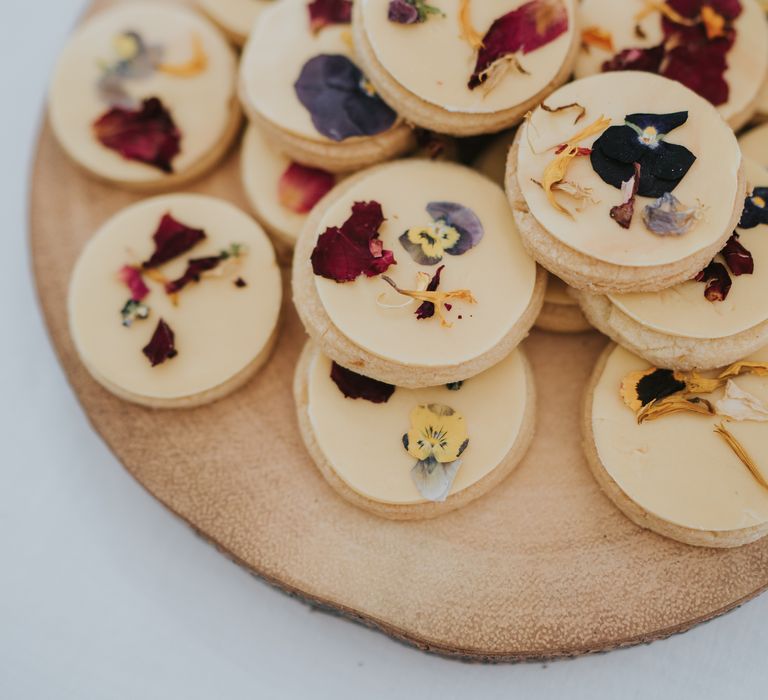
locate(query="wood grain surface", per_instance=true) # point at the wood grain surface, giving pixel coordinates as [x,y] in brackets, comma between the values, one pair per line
[544,566]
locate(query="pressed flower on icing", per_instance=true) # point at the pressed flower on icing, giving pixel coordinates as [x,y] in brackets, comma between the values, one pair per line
[484,57]
[670,178]
[717,48]
[454,230]
[124,97]
[436,440]
[174,297]
[642,139]
[299,73]
[340,99]
[410,446]
[723,299]
[378,252]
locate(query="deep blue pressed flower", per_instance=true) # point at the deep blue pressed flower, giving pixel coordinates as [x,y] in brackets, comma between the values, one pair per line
[642,139]
[340,99]
[454,230]
[755,208]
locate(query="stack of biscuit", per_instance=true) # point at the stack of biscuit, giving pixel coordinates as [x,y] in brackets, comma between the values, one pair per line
[439,183]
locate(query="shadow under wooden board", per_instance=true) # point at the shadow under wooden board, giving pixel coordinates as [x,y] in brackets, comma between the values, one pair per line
[543,566]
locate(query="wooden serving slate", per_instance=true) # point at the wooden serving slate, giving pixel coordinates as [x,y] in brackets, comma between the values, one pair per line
[543,566]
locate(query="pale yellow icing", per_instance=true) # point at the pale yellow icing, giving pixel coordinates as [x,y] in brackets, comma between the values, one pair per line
[280,44]
[712,180]
[683,310]
[220,328]
[747,59]
[493,162]
[498,271]
[754,145]
[363,440]
[236,16]
[74,102]
[431,60]
[676,467]
[262,167]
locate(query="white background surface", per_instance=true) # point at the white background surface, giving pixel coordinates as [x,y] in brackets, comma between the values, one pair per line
[103,594]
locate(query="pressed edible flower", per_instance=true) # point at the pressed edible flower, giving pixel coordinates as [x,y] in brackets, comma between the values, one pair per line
[436,298]
[622,213]
[555,172]
[344,253]
[356,386]
[301,187]
[741,453]
[161,346]
[131,277]
[580,110]
[697,36]
[755,211]
[340,100]
[668,216]
[147,134]
[674,404]
[133,310]
[717,280]
[454,230]
[325,12]
[640,388]
[427,308]
[172,238]
[642,139]
[468,31]
[197,267]
[737,257]
[740,405]
[529,27]
[436,440]
[135,59]
[411,11]
[597,37]
[194,66]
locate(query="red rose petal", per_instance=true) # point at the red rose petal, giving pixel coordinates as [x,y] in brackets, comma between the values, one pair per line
[147,134]
[300,187]
[325,12]
[131,277]
[356,386]
[161,346]
[343,254]
[737,257]
[717,279]
[427,308]
[172,238]
[195,268]
[529,27]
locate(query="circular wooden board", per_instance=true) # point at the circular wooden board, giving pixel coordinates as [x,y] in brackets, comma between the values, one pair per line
[544,566]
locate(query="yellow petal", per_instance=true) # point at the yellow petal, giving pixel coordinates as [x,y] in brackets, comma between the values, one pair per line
[194,66]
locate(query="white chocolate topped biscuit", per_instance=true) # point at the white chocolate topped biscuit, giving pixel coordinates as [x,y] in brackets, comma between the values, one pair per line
[435,59]
[709,188]
[306,83]
[684,311]
[676,468]
[363,442]
[623,26]
[435,214]
[125,56]
[235,17]
[222,321]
